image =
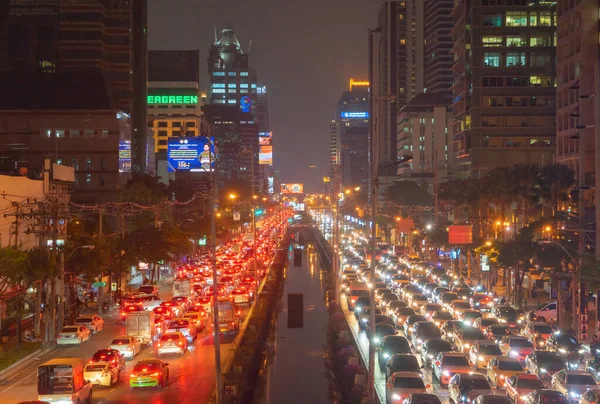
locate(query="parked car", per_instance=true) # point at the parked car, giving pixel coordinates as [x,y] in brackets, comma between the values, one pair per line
[93,322]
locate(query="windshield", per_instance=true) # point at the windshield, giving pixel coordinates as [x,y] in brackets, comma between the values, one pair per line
[506,365]
[586,380]
[475,383]
[520,343]
[472,314]
[69,329]
[543,329]
[396,344]
[455,361]
[473,333]
[92,368]
[404,362]
[553,398]
[567,340]
[83,320]
[500,329]
[528,383]
[120,341]
[442,315]
[490,350]
[409,383]
[549,357]
[149,366]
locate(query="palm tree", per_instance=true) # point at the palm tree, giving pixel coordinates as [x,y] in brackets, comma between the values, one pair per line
[555,182]
[526,189]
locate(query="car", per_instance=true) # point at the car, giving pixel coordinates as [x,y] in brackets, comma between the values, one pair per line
[491,399]
[401,384]
[73,334]
[447,364]
[544,364]
[440,317]
[538,333]
[520,385]
[127,346]
[464,292]
[129,308]
[507,315]
[481,301]
[457,306]
[500,368]
[566,346]
[445,298]
[401,363]
[149,373]
[431,348]
[465,337]
[417,300]
[199,318]
[164,311]
[109,355]
[185,326]
[387,298]
[469,316]
[484,322]
[363,317]
[482,351]
[382,330]
[390,309]
[497,332]
[592,365]
[94,323]
[363,301]
[545,396]
[390,345]
[101,373]
[465,387]
[428,309]
[516,347]
[172,342]
[174,306]
[546,311]
[573,383]
[422,331]
[410,321]
[592,396]
[185,301]
[422,398]
[450,329]
[401,314]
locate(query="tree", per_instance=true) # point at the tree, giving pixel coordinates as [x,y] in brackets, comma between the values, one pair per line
[516,254]
[408,193]
[555,181]
[13,276]
[526,189]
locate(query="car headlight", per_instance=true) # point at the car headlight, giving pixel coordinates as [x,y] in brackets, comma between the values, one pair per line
[562,350]
[386,355]
[395,396]
[581,351]
[430,356]
[376,340]
[519,321]
[541,343]
[514,353]
[502,377]
[364,320]
[358,309]
[480,358]
[446,373]
[449,334]
[467,323]
[542,370]
[467,345]
[523,397]
[574,394]
[437,323]
[501,321]
[419,341]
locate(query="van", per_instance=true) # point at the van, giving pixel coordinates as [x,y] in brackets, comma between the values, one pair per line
[61,380]
[356,290]
[546,311]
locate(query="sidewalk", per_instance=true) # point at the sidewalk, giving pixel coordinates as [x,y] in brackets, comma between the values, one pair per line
[297,372]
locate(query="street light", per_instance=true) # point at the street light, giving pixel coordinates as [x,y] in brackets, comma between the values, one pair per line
[232,196]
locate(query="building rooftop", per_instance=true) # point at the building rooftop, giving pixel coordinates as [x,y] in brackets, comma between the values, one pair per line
[228,42]
[424,102]
[56,91]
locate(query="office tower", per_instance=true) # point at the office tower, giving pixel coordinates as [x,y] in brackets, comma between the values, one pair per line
[233,97]
[334,158]
[352,127]
[142,155]
[504,87]
[438,43]
[424,132]
[415,48]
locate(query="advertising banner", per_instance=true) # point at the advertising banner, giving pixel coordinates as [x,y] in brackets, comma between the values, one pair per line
[460,234]
[125,156]
[271,183]
[265,138]
[194,154]
[265,155]
[292,188]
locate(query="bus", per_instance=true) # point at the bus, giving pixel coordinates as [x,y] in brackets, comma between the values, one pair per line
[61,380]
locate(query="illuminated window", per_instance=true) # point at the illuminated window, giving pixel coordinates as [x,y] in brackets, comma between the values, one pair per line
[74,132]
[402,41]
[243,73]
[491,41]
[218,73]
[88,179]
[253,86]
[218,85]
[493,20]
[233,74]
[535,80]
[244,85]
[60,133]
[231,101]
[232,91]
[88,163]
[244,90]
[401,16]
[515,41]
[401,89]
[515,59]
[516,19]
[545,18]
[218,91]
[59,161]
[231,85]
[46,133]
[88,133]
[104,133]
[491,59]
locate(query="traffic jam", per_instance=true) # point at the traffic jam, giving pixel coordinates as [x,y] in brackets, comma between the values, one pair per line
[167,327]
[473,346]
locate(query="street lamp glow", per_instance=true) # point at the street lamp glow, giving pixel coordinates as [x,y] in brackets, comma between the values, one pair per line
[488,243]
[232,196]
[548,228]
[347,192]
[429,227]
[357,189]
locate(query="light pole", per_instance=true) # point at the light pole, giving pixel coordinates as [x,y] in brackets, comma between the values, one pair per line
[61,269]
[374,197]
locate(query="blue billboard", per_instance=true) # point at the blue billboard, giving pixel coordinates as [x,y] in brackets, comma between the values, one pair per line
[195,154]
[124,156]
[354,115]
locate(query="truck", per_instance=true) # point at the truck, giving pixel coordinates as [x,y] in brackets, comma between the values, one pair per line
[228,316]
[61,380]
[140,325]
[182,287]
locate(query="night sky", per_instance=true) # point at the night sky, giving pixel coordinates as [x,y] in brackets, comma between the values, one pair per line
[304,52]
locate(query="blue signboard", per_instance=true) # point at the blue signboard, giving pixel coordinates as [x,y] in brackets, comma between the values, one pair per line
[124,156]
[354,115]
[245,103]
[193,154]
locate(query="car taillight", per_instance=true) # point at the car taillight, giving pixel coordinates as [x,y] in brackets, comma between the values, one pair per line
[132,375]
[180,343]
[154,374]
[158,344]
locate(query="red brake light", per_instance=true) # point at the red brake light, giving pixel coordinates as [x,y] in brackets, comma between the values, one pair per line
[180,343]
[145,370]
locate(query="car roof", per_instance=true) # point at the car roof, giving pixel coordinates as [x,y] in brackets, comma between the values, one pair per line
[577,372]
[146,361]
[486,342]
[472,376]
[408,374]
[506,359]
[462,355]
[527,376]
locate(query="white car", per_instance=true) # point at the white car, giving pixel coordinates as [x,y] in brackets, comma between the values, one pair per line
[93,322]
[127,346]
[73,334]
[101,373]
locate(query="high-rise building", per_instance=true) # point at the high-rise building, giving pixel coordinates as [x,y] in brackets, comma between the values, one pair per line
[48,36]
[415,49]
[233,98]
[334,158]
[504,87]
[438,43]
[424,132]
[352,134]
[261,116]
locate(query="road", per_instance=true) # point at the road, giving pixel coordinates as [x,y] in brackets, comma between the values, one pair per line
[192,376]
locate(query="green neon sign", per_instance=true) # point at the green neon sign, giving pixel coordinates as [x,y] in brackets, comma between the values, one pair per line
[172,99]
